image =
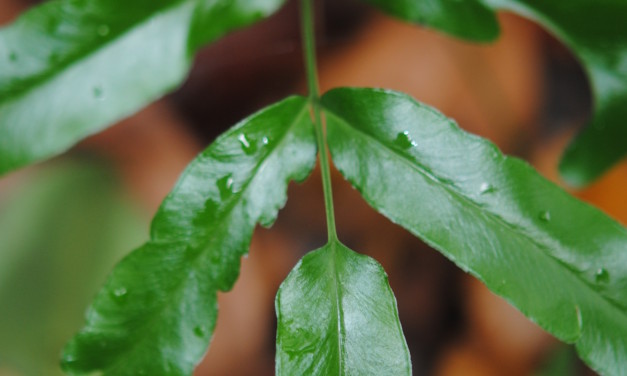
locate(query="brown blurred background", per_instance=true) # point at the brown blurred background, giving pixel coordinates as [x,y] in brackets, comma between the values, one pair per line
[526,93]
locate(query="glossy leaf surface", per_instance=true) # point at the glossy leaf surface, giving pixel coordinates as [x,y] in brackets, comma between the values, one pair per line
[468,19]
[69,68]
[337,316]
[157,311]
[563,263]
[596,31]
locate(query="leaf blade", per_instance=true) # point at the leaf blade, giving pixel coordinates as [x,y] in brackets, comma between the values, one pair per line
[470,20]
[559,261]
[337,316]
[157,310]
[70,68]
[597,33]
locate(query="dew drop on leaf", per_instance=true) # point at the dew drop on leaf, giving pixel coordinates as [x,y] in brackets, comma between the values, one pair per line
[579,318]
[68,360]
[602,276]
[103,30]
[545,216]
[243,140]
[200,331]
[120,293]
[248,145]
[404,141]
[486,188]
[265,140]
[225,186]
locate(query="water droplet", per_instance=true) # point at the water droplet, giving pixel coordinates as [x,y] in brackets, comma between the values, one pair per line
[200,331]
[98,92]
[545,216]
[404,140]
[602,276]
[248,145]
[68,360]
[225,186]
[486,188]
[13,57]
[120,293]
[243,140]
[103,30]
[579,318]
[265,140]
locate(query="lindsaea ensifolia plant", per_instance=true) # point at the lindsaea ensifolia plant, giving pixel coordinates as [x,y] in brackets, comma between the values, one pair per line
[69,68]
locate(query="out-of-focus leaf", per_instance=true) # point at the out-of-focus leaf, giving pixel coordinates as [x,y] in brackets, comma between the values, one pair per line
[467,19]
[596,31]
[561,362]
[157,311]
[562,262]
[69,68]
[61,230]
[337,316]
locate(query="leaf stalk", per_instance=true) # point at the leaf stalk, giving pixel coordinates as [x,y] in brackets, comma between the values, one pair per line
[309,49]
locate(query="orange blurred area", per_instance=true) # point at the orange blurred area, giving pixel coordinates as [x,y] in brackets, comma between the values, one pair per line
[525,92]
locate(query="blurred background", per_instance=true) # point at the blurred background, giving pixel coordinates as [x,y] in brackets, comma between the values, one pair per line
[64,223]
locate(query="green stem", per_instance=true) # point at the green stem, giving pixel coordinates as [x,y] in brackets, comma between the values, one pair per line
[309,43]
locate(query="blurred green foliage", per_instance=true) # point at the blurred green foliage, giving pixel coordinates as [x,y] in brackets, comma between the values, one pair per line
[61,230]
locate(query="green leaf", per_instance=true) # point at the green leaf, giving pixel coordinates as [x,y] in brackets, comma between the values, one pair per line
[563,263]
[468,19]
[596,31]
[337,316]
[69,68]
[157,311]
[561,361]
